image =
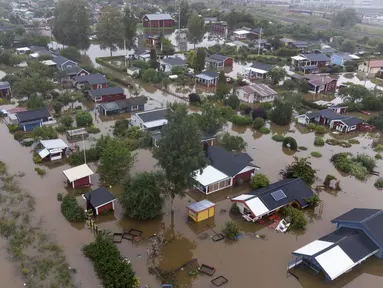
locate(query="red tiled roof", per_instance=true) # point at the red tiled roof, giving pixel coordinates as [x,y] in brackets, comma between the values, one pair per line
[375,63]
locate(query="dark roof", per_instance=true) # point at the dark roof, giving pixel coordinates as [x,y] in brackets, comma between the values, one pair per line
[356,215]
[140,100]
[154,115]
[261,66]
[60,60]
[331,115]
[110,106]
[216,58]
[105,91]
[295,189]
[297,76]
[74,70]
[6,28]
[32,115]
[211,74]
[351,121]
[300,44]
[4,85]
[38,49]
[344,56]
[374,226]
[176,61]
[227,162]
[205,136]
[99,197]
[316,57]
[92,79]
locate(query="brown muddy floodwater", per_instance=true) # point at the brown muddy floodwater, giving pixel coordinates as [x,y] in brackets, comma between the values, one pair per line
[250,262]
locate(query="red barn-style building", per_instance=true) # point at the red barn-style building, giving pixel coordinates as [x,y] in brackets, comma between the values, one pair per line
[99,200]
[157,20]
[107,94]
[79,176]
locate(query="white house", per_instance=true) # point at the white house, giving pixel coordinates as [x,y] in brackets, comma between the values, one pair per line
[150,120]
[168,64]
[256,93]
[54,148]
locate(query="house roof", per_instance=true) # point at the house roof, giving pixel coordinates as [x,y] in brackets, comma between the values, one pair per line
[140,100]
[201,205]
[241,32]
[105,91]
[78,172]
[152,17]
[320,80]
[209,175]
[207,75]
[216,58]
[74,70]
[300,44]
[261,66]
[49,63]
[176,61]
[370,219]
[374,63]
[31,115]
[227,162]
[331,115]
[286,40]
[261,90]
[92,79]
[344,56]
[60,60]
[4,85]
[54,144]
[339,251]
[99,197]
[153,115]
[38,49]
[351,121]
[316,57]
[110,106]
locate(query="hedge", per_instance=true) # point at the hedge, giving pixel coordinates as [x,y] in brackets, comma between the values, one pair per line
[71,210]
[241,120]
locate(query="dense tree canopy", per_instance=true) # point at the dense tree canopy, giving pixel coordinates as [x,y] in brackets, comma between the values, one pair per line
[196,31]
[346,17]
[211,120]
[282,113]
[130,27]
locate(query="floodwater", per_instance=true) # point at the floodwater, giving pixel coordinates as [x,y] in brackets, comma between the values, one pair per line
[265,260]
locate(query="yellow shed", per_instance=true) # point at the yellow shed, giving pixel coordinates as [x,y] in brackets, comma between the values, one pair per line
[201,210]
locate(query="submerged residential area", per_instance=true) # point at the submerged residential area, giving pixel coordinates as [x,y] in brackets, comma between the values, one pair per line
[191,144]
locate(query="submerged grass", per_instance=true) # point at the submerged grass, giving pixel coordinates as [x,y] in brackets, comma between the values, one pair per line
[41,261]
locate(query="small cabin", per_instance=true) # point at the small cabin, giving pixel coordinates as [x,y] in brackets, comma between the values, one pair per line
[99,200]
[79,176]
[202,210]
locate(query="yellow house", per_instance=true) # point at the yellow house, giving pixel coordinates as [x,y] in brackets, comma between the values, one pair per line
[201,210]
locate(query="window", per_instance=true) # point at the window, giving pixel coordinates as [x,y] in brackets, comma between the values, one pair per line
[134,108]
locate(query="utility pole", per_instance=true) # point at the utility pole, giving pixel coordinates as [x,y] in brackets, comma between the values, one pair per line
[83,147]
[259,40]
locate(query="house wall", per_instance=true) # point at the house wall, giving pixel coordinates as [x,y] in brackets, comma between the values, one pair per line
[245,97]
[112,97]
[192,215]
[264,99]
[245,177]
[82,182]
[228,62]
[67,65]
[5,92]
[98,86]
[30,127]
[157,23]
[106,207]
[331,87]
[135,121]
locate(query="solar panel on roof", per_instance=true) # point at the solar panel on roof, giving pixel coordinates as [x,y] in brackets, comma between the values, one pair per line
[278,195]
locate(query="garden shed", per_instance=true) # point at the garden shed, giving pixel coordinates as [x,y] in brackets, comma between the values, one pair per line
[79,176]
[99,200]
[201,210]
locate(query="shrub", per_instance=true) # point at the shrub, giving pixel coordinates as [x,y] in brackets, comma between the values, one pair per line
[303,148]
[66,121]
[234,208]
[77,158]
[40,171]
[194,97]
[27,142]
[332,142]
[230,230]
[320,129]
[13,128]
[83,119]
[264,130]
[278,137]
[319,141]
[36,158]
[259,180]
[316,154]
[241,120]
[59,197]
[19,135]
[313,200]
[366,161]
[259,113]
[353,141]
[112,269]
[290,142]
[328,180]
[359,166]
[298,219]
[378,156]
[258,123]
[311,126]
[226,112]
[71,210]
[93,130]
[232,101]
[44,133]
[233,143]
[379,183]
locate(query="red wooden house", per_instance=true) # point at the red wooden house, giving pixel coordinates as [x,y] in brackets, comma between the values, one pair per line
[99,200]
[94,81]
[157,20]
[321,83]
[79,176]
[107,94]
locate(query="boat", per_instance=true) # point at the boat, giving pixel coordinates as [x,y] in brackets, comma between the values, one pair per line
[282,226]
[365,112]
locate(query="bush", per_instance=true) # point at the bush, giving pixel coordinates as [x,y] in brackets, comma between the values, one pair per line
[353,141]
[264,130]
[241,120]
[112,269]
[259,113]
[233,143]
[313,200]
[378,156]
[258,123]
[93,130]
[226,112]
[44,133]
[234,208]
[366,161]
[77,158]
[316,154]
[13,128]
[232,101]
[311,126]
[194,97]
[230,230]
[320,129]
[303,148]
[359,166]
[83,119]
[319,141]
[259,181]
[298,219]
[71,210]
[290,142]
[66,121]
[282,113]
[59,197]
[19,135]
[36,158]
[379,183]
[278,137]
[40,171]
[27,142]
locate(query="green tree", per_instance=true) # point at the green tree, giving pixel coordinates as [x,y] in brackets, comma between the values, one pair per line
[115,161]
[282,113]
[71,53]
[348,46]
[196,30]
[258,123]
[258,181]
[222,88]
[199,63]
[184,13]
[57,106]
[180,154]
[83,119]
[346,17]
[71,23]
[130,27]
[354,93]
[211,120]
[191,58]
[34,83]
[110,29]
[379,47]
[35,102]
[7,39]
[141,195]
[66,120]
[153,59]
[300,168]
[290,142]
[298,219]
[71,210]
[232,101]
[166,46]
[232,142]
[277,74]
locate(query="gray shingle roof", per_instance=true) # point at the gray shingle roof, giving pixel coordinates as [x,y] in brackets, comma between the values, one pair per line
[261,90]
[32,115]
[356,215]
[99,197]
[74,70]
[4,85]
[60,60]
[261,66]
[92,79]
[158,17]
[110,106]
[176,61]
[105,91]
[227,162]
[216,58]
[316,57]
[207,74]
[140,100]
[154,115]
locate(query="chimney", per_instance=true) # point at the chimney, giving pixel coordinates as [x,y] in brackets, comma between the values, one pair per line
[205,148]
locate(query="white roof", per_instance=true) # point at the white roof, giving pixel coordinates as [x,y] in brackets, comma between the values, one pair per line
[260,71]
[48,63]
[156,123]
[335,262]
[242,197]
[257,207]
[209,176]
[78,172]
[23,49]
[43,153]
[241,32]
[298,58]
[34,55]
[313,247]
[353,56]
[54,144]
